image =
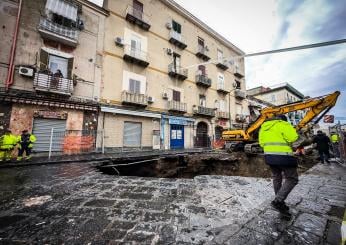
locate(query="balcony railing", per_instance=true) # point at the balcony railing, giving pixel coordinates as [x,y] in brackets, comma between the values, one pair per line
[177,71]
[238,72]
[177,39]
[177,106]
[203,80]
[222,114]
[204,111]
[136,56]
[239,94]
[137,17]
[56,32]
[202,52]
[134,98]
[53,84]
[222,64]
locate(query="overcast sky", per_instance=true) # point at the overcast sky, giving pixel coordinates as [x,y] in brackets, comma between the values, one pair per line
[259,25]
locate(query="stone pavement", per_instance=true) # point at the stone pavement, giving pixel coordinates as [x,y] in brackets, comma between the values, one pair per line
[75,204]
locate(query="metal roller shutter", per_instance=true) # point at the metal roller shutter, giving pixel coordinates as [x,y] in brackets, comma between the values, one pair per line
[132,134]
[42,130]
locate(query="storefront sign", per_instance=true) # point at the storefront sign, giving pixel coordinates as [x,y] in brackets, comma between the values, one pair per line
[51,114]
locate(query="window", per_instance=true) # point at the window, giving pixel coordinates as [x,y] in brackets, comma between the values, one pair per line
[202,70]
[137,9]
[176,60]
[219,55]
[132,134]
[222,105]
[58,63]
[176,26]
[200,42]
[273,98]
[176,95]
[220,81]
[238,85]
[134,86]
[135,45]
[202,100]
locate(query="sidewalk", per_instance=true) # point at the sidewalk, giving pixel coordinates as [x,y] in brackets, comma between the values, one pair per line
[97,157]
[76,204]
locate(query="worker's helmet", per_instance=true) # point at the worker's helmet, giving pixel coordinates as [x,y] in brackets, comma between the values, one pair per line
[282,117]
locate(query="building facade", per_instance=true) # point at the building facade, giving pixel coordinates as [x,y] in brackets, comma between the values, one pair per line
[279,94]
[53,78]
[149,99]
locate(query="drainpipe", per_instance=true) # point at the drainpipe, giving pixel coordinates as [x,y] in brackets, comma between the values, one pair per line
[10,74]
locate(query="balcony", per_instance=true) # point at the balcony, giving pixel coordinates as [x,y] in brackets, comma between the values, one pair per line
[204,111]
[221,89]
[135,56]
[51,84]
[177,39]
[137,17]
[222,64]
[203,80]
[129,98]
[202,52]
[177,72]
[240,118]
[238,72]
[177,106]
[239,94]
[222,115]
[56,32]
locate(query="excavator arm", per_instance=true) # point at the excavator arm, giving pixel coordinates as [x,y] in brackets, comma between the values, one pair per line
[314,107]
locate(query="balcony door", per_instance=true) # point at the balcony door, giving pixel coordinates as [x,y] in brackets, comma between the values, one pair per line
[58,63]
[134,86]
[200,44]
[202,70]
[137,9]
[176,95]
[176,62]
[136,46]
[219,55]
[202,100]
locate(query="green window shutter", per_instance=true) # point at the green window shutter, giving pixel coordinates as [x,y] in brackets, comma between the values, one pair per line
[179,28]
[43,60]
[69,68]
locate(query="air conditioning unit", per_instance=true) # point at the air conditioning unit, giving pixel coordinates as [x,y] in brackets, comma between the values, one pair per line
[26,71]
[164,95]
[169,25]
[150,99]
[119,41]
[169,51]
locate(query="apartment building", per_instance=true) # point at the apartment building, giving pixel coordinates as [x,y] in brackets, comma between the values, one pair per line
[149,99]
[53,78]
[279,94]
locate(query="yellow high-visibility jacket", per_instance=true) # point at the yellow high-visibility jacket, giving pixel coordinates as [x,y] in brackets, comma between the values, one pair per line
[276,137]
[8,141]
[32,139]
[334,138]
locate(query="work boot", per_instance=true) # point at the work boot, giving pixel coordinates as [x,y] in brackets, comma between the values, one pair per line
[280,206]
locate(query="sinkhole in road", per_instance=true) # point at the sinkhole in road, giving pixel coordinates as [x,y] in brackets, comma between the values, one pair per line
[191,165]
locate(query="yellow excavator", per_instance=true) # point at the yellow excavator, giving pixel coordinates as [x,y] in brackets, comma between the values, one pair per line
[246,140]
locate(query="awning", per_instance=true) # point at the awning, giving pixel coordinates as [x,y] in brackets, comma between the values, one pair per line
[128,112]
[178,120]
[63,8]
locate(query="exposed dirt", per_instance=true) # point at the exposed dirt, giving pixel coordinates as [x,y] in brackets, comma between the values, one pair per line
[189,166]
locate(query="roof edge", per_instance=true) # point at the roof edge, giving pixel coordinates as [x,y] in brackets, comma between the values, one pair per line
[178,8]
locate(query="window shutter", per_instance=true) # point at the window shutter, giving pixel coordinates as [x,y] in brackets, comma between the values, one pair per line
[43,60]
[132,85]
[176,95]
[69,67]
[138,87]
[178,28]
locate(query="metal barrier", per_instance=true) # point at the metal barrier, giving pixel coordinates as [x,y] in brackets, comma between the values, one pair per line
[71,142]
[339,150]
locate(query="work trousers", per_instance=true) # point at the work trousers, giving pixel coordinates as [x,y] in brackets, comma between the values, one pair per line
[23,149]
[324,155]
[282,189]
[336,149]
[5,155]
